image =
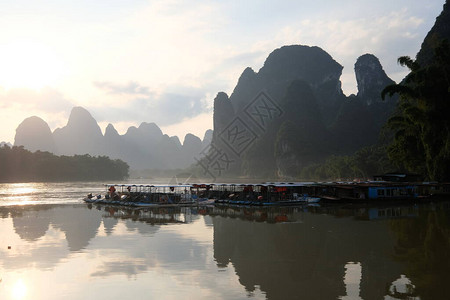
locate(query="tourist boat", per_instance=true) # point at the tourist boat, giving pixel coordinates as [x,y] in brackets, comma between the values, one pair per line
[382,191]
[262,194]
[147,195]
[265,194]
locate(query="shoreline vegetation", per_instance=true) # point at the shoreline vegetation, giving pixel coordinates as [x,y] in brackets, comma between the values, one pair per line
[20,165]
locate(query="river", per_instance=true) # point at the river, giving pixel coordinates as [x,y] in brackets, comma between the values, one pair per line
[54,246]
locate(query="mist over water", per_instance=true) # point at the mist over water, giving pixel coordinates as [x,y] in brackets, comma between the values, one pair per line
[33,193]
[45,193]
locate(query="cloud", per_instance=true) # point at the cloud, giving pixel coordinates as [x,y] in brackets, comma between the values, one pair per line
[47,100]
[195,58]
[20,103]
[244,58]
[386,36]
[168,107]
[196,126]
[130,88]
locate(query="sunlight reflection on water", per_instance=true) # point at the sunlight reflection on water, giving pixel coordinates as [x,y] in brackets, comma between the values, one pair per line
[45,193]
[73,252]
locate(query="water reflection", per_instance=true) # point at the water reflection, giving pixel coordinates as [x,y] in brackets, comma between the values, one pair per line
[334,252]
[156,216]
[352,280]
[30,225]
[306,258]
[91,249]
[311,255]
[402,288]
[423,243]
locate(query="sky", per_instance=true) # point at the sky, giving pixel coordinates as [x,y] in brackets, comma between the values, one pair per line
[134,61]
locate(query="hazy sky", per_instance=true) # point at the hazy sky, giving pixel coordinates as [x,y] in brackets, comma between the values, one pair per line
[133,61]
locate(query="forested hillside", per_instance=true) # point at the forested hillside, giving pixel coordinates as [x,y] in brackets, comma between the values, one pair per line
[20,165]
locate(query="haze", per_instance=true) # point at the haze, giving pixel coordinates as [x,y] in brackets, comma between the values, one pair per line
[137,61]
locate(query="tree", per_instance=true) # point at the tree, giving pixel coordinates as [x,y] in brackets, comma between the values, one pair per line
[421,123]
[20,165]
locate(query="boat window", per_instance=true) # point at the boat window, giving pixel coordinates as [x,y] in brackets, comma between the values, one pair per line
[380,192]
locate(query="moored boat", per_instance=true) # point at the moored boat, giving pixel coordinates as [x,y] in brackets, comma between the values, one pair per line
[267,193]
[145,195]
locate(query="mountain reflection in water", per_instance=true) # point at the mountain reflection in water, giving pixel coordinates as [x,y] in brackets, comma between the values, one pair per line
[334,252]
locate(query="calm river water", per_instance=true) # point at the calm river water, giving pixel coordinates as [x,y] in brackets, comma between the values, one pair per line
[53,246]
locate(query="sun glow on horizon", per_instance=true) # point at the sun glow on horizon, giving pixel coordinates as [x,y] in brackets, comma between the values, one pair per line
[28,64]
[19,290]
[196,125]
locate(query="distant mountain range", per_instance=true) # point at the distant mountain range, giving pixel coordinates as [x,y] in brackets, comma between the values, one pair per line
[310,118]
[289,115]
[144,147]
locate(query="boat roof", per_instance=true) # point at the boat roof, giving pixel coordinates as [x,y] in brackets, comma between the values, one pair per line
[341,184]
[149,185]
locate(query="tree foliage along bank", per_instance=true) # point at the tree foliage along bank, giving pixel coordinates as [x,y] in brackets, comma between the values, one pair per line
[364,164]
[20,165]
[422,122]
[420,128]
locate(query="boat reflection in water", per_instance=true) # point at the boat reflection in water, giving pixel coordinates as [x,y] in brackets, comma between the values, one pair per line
[306,252]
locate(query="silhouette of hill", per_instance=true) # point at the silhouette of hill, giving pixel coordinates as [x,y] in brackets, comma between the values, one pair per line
[35,132]
[81,135]
[439,32]
[143,147]
[294,114]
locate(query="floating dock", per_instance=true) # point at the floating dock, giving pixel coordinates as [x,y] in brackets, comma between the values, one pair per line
[267,193]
